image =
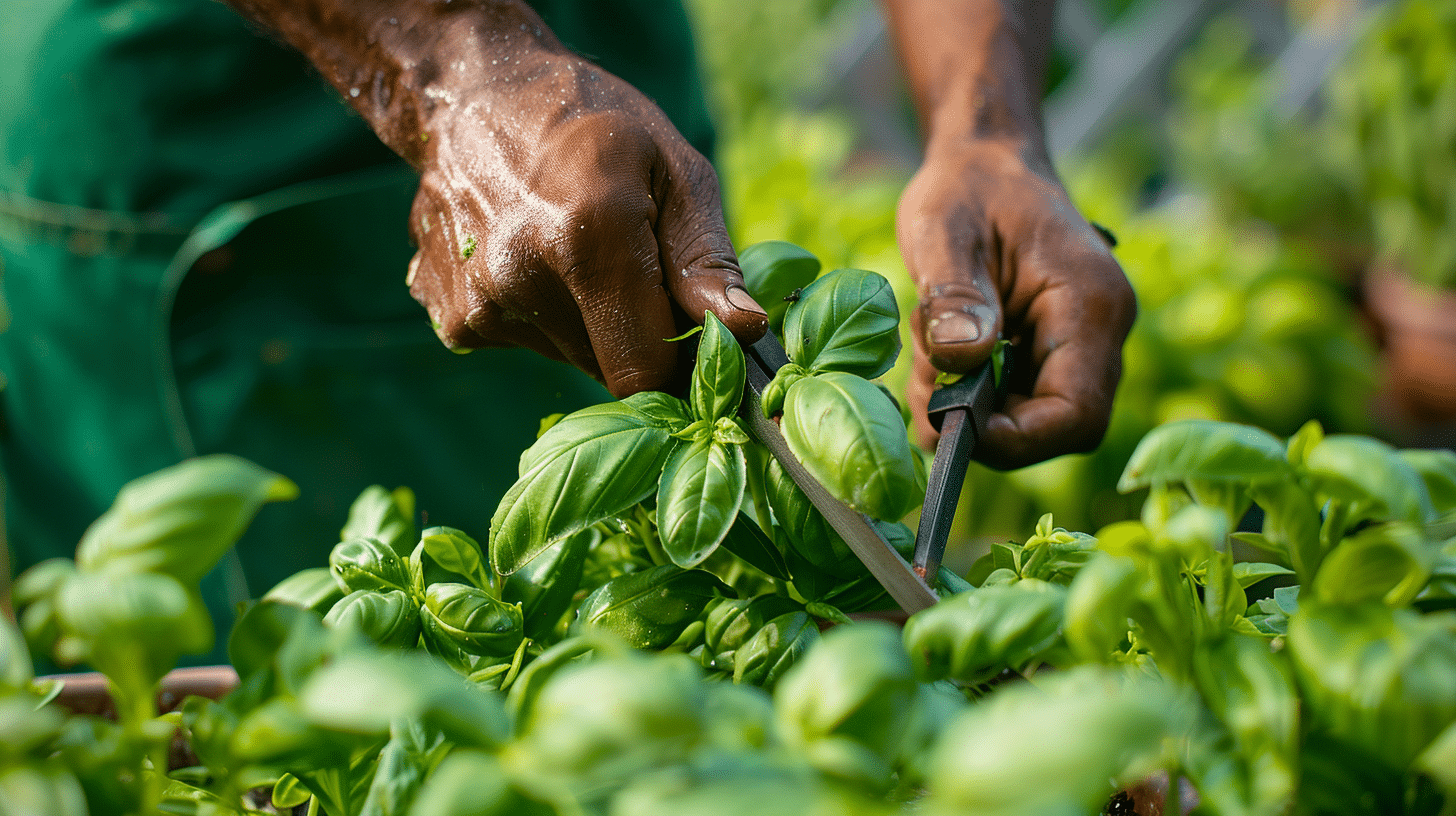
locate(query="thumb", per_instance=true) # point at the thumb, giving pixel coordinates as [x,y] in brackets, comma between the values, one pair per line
[698,262]
[958,319]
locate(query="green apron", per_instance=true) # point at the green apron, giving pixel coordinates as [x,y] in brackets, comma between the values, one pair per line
[203,250]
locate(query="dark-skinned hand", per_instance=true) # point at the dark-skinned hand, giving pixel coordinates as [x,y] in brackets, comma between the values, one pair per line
[997,250]
[558,207]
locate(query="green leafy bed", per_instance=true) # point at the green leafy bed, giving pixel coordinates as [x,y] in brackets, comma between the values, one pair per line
[643,632]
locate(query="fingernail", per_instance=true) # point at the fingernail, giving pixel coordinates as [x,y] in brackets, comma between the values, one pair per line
[954,327]
[741,300]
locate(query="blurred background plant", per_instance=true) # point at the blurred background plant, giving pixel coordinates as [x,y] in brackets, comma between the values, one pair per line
[1254,158]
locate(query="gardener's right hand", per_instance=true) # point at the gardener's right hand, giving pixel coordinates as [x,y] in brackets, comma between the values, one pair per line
[558,207]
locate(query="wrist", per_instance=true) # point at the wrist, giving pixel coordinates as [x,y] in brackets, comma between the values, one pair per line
[404,64]
[976,67]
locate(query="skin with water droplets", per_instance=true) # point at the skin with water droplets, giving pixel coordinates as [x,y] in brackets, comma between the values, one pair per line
[558,208]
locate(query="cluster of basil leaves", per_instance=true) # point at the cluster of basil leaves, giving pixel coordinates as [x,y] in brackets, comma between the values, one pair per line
[1333,694]
[1336,694]
[129,605]
[433,591]
[702,541]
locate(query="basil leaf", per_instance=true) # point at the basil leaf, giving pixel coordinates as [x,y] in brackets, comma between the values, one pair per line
[16,672]
[1376,679]
[279,733]
[1437,469]
[1203,450]
[410,755]
[1385,562]
[806,529]
[459,618]
[646,409]
[260,631]
[718,377]
[388,516]
[1066,742]
[367,563]
[661,408]
[749,543]
[849,436]
[594,724]
[473,783]
[390,619]
[1291,524]
[180,520]
[545,587]
[857,686]
[1371,475]
[650,609]
[452,551]
[313,588]
[845,321]
[1250,688]
[698,499]
[774,648]
[610,464]
[366,692]
[1248,573]
[772,271]
[976,635]
[133,626]
[289,793]
[1099,600]
[732,621]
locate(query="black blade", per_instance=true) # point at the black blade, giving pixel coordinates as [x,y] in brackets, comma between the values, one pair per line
[959,412]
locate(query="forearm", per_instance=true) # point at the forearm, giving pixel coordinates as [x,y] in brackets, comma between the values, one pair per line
[397,61]
[976,68]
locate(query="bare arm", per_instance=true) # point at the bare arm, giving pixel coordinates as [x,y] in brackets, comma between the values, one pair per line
[558,208]
[994,244]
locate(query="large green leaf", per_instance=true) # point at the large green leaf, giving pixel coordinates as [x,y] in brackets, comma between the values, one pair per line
[133,626]
[390,619]
[749,543]
[1437,469]
[445,553]
[313,588]
[805,528]
[650,609]
[1097,607]
[383,514]
[718,377]
[1061,746]
[1376,679]
[1371,475]
[544,588]
[15,669]
[1384,562]
[773,271]
[180,520]
[596,723]
[850,437]
[698,499]
[367,563]
[367,692]
[976,635]
[1203,450]
[845,321]
[458,617]
[605,466]
[646,409]
[774,648]
[853,694]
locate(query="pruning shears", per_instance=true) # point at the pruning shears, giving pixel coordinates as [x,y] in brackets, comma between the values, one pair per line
[959,411]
